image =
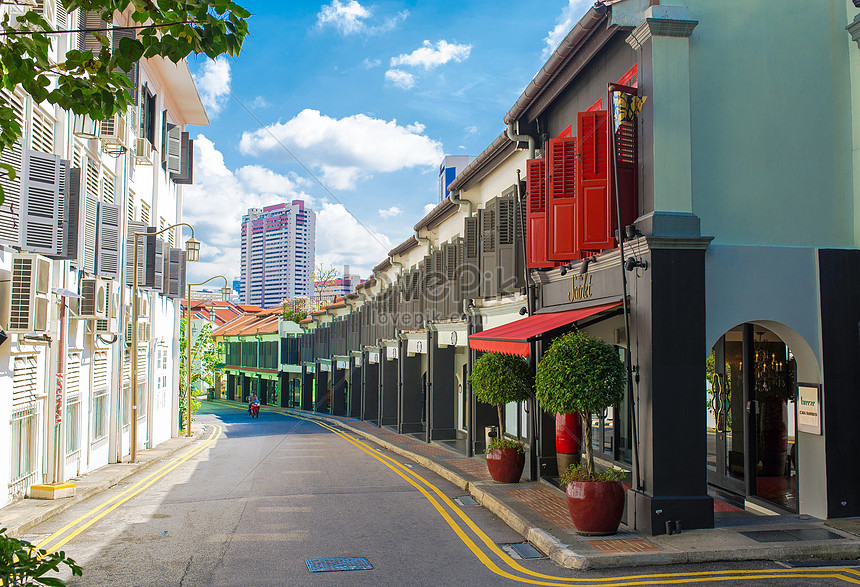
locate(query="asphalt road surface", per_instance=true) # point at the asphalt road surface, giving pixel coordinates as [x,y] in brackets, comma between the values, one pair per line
[254,499]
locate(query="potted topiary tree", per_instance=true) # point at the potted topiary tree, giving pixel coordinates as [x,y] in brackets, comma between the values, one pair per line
[584,375]
[497,380]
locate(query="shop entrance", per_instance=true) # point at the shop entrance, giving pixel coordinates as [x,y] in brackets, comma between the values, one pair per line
[751,416]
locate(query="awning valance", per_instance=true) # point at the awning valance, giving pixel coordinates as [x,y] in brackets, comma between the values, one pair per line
[514,338]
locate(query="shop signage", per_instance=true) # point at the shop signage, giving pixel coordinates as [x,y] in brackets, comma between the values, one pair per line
[342,365]
[580,288]
[373,357]
[391,352]
[358,361]
[325,367]
[809,408]
[415,346]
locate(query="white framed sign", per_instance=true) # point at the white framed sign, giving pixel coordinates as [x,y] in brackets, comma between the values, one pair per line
[373,357]
[809,408]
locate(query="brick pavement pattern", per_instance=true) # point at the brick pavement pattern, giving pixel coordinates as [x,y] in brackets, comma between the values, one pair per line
[619,545]
[549,505]
[476,469]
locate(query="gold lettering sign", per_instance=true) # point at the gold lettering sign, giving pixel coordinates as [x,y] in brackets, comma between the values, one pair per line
[580,288]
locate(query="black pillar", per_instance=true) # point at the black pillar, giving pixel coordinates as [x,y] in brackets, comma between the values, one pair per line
[246,386]
[338,391]
[387,390]
[411,393]
[231,386]
[668,327]
[262,390]
[442,392]
[307,401]
[322,391]
[286,389]
[369,389]
[354,408]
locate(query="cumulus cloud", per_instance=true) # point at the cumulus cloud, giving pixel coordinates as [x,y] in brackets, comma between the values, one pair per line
[219,197]
[351,18]
[213,82]
[342,240]
[346,150]
[259,102]
[565,21]
[371,63]
[402,79]
[391,212]
[427,209]
[471,130]
[429,56]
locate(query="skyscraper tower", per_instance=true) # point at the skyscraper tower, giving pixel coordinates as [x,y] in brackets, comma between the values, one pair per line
[277,253]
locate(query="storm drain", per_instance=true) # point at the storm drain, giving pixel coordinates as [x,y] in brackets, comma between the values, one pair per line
[319,565]
[791,535]
[522,550]
[465,500]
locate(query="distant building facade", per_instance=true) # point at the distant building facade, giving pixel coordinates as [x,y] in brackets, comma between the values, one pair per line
[336,288]
[277,253]
[451,166]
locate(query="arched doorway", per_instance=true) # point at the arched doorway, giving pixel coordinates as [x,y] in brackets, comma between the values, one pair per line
[752,415]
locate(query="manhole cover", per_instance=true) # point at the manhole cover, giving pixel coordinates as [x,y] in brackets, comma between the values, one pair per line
[522,550]
[465,500]
[319,565]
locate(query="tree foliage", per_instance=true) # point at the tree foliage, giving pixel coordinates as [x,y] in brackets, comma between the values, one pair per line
[296,309]
[321,278]
[206,355]
[23,564]
[97,83]
[499,379]
[580,373]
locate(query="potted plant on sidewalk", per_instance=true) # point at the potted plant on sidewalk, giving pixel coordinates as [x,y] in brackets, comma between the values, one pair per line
[584,375]
[497,380]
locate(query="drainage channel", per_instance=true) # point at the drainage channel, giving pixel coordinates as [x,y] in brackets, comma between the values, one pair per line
[522,550]
[320,565]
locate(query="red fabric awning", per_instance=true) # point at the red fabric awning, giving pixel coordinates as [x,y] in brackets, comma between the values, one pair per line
[514,338]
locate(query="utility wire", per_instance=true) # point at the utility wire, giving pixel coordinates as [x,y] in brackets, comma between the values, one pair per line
[309,172]
[100,30]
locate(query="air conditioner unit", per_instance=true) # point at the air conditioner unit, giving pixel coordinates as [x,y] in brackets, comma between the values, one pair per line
[113,130]
[31,286]
[142,151]
[105,326]
[95,298]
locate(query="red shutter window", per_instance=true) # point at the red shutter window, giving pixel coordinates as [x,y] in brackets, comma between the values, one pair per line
[537,239]
[627,160]
[561,199]
[594,214]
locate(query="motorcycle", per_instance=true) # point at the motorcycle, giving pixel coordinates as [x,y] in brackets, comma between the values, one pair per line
[254,409]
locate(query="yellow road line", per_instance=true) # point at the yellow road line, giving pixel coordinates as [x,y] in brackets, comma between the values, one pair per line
[124,496]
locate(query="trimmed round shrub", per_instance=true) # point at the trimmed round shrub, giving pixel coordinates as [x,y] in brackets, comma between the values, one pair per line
[499,379]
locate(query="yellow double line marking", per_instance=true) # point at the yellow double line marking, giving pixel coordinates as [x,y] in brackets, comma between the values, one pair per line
[848,575]
[59,538]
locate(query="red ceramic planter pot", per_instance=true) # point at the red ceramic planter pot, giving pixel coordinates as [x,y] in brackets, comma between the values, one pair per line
[568,440]
[506,464]
[595,506]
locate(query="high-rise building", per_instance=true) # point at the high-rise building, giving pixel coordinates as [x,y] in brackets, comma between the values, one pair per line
[449,168]
[277,253]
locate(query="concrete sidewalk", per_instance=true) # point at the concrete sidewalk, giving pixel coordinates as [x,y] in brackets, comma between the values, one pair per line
[538,511]
[22,515]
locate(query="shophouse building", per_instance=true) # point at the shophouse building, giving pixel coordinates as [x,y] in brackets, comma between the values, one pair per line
[277,255]
[714,239]
[66,233]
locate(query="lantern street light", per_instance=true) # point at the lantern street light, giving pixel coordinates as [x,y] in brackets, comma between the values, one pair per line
[225,296]
[192,248]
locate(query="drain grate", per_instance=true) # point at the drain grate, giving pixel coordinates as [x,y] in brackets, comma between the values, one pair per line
[465,500]
[795,535]
[319,565]
[522,550]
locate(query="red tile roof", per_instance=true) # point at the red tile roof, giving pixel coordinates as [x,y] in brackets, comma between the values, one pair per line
[262,322]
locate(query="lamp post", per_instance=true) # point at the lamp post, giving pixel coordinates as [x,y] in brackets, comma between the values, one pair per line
[192,248]
[225,296]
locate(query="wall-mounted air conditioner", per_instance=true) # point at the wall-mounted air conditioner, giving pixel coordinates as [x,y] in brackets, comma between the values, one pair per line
[142,151]
[31,286]
[113,131]
[95,297]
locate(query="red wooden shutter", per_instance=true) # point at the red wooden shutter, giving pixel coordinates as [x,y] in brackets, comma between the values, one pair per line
[594,214]
[537,239]
[561,199]
[627,157]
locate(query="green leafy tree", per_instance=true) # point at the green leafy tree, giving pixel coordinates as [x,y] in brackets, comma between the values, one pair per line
[96,83]
[295,309]
[499,379]
[321,278]
[206,355]
[580,374]
[23,564]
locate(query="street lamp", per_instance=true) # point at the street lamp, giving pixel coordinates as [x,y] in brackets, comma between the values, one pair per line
[192,247]
[225,296]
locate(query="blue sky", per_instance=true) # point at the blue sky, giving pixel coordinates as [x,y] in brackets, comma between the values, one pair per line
[368,97]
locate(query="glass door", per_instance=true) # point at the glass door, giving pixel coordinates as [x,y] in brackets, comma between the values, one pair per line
[725,405]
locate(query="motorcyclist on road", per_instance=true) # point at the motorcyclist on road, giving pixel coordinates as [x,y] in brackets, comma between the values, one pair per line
[252,399]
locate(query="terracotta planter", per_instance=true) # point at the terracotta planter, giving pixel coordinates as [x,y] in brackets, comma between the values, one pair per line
[595,506]
[568,440]
[506,464]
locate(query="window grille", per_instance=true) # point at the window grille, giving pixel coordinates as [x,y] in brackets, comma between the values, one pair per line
[42,134]
[100,395]
[24,421]
[108,188]
[142,356]
[73,403]
[144,213]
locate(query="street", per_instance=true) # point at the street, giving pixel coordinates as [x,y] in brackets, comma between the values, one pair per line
[252,500]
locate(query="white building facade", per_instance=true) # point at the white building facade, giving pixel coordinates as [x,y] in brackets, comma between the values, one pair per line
[66,272]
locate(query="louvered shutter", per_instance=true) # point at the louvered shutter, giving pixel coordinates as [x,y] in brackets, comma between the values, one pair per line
[12,155]
[174,150]
[87,41]
[507,261]
[110,219]
[536,231]
[40,202]
[627,161]
[133,75]
[186,175]
[594,211]
[470,271]
[489,270]
[90,231]
[135,226]
[561,199]
[70,196]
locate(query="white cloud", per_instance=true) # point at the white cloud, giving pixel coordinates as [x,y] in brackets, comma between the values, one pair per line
[429,56]
[346,150]
[351,18]
[371,63]
[342,240]
[391,212]
[471,130]
[568,18]
[400,78]
[259,102]
[213,82]
[219,197]
[427,209]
